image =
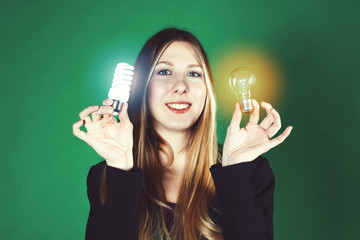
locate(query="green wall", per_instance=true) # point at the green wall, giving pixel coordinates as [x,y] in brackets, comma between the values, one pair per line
[57,57]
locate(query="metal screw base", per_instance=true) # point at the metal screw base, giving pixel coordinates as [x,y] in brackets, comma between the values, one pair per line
[246,105]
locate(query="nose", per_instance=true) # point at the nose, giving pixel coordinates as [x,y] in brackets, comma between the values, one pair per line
[180,86]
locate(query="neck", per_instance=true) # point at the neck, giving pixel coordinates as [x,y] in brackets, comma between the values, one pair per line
[176,139]
[172,176]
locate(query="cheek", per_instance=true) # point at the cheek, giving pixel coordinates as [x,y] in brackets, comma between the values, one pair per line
[151,92]
[154,89]
[200,93]
[156,92]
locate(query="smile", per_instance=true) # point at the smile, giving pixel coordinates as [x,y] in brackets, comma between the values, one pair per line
[178,107]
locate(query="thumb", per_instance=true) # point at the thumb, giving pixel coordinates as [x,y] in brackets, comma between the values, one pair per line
[236,118]
[123,115]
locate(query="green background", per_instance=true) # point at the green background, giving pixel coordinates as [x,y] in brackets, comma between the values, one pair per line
[58,57]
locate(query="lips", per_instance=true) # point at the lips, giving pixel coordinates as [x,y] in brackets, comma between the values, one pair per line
[179,107]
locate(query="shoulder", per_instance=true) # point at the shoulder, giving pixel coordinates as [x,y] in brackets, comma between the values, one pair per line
[95,174]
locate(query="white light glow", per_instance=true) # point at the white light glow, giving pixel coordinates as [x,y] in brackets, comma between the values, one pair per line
[120,88]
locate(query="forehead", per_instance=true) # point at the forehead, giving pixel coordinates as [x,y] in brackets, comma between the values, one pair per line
[178,52]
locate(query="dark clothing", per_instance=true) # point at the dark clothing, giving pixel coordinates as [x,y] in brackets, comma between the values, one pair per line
[244,195]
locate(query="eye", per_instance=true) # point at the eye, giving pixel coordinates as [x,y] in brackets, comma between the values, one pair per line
[164,72]
[194,74]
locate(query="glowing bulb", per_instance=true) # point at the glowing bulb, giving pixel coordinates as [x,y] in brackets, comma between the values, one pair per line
[120,88]
[242,82]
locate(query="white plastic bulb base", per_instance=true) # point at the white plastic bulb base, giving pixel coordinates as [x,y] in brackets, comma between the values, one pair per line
[246,105]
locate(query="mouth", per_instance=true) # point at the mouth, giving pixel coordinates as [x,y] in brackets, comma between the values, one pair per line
[179,107]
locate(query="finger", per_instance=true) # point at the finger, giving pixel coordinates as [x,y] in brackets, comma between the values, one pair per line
[269,119]
[109,115]
[84,114]
[77,132]
[103,110]
[275,127]
[255,115]
[108,102]
[123,115]
[276,141]
[236,118]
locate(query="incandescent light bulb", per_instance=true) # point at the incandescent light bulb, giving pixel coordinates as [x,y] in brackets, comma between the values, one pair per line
[242,82]
[120,88]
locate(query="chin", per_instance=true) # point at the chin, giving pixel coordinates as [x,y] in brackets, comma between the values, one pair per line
[179,127]
[175,123]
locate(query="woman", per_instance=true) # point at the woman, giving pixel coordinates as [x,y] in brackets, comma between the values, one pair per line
[163,176]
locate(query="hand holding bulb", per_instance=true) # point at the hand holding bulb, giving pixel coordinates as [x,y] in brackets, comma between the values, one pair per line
[247,143]
[111,139]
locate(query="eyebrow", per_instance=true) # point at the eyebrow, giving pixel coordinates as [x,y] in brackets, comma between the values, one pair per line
[170,63]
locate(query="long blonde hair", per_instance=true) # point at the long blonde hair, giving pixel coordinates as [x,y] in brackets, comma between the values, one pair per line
[191,216]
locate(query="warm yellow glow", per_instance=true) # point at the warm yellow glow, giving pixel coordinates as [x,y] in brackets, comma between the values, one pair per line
[269,86]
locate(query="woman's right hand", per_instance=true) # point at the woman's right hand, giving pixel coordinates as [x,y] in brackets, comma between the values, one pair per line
[112,140]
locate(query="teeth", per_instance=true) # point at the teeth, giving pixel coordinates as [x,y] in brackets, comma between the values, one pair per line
[179,106]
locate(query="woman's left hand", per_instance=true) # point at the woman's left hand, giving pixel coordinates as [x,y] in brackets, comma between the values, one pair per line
[247,143]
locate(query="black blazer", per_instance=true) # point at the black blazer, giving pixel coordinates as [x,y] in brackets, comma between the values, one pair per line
[244,196]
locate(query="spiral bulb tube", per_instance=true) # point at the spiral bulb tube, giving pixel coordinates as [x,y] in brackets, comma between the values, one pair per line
[120,88]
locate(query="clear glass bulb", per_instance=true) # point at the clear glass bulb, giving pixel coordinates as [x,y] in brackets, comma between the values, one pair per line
[242,82]
[120,88]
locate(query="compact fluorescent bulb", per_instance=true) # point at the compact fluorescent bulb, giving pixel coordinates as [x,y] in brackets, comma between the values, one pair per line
[120,88]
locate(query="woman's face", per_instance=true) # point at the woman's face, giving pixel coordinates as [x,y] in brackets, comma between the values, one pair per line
[177,89]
